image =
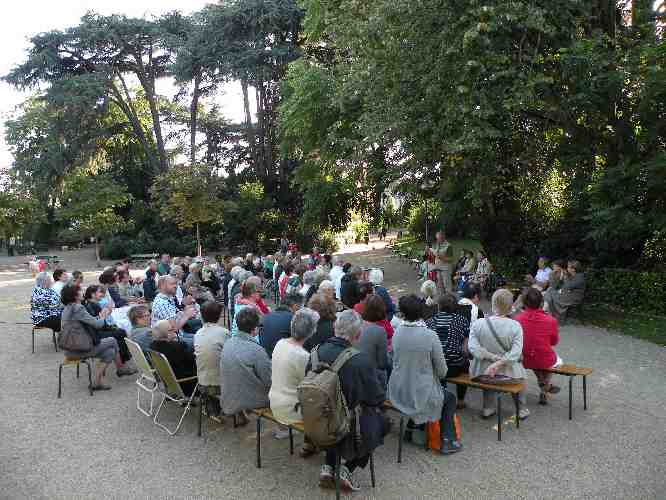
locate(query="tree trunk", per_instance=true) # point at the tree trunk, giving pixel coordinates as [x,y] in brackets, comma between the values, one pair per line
[129,111]
[193,118]
[198,241]
[99,260]
[157,127]
[249,129]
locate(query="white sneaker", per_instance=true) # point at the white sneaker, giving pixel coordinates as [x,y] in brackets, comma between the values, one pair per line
[488,412]
[346,480]
[281,433]
[326,477]
[523,413]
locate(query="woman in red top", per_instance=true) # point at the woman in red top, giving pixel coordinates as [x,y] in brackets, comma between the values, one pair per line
[539,337]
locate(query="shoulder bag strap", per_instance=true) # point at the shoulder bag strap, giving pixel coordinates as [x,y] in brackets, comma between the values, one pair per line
[497,338]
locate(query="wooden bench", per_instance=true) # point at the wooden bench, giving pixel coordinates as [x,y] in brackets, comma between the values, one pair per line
[572,371]
[140,258]
[268,414]
[500,389]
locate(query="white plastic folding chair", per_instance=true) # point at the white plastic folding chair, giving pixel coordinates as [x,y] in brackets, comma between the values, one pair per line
[147,381]
[170,389]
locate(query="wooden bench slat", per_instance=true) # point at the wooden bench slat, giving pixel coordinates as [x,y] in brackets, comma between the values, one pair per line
[268,414]
[466,380]
[570,370]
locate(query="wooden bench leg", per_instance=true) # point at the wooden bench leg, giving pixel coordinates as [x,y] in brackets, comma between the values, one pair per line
[338,465]
[55,342]
[516,400]
[33,341]
[90,382]
[570,398]
[499,416]
[258,442]
[372,470]
[291,441]
[402,435]
[584,392]
[59,380]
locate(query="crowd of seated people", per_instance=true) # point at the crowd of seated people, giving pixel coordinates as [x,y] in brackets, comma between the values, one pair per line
[179,307]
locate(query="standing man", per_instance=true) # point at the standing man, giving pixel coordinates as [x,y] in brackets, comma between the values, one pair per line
[165,265]
[442,251]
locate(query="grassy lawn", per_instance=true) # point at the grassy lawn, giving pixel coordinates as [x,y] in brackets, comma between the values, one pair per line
[636,324]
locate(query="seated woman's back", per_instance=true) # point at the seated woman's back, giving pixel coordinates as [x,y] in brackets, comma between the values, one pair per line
[288,370]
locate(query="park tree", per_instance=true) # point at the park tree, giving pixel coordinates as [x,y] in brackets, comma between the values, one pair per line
[90,206]
[188,195]
[109,50]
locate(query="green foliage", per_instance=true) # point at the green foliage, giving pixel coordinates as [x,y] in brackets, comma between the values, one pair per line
[120,246]
[90,204]
[16,211]
[630,290]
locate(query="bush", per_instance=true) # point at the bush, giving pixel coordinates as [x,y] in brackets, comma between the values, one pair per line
[120,246]
[633,290]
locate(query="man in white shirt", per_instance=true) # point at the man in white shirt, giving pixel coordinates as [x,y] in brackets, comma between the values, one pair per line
[540,279]
[336,274]
[60,279]
[208,344]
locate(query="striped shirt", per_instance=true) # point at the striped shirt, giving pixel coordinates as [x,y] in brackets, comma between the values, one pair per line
[452,330]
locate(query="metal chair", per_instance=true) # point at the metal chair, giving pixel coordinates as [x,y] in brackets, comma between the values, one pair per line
[53,333]
[75,362]
[170,389]
[147,380]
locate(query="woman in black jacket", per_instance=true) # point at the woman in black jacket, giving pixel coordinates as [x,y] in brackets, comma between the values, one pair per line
[95,293]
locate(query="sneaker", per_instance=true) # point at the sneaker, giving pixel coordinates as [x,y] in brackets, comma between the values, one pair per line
[281,433]
[326,477]
[488,412]
[346,480]
[523,413]
[125,370]
[307,450]
[449,447]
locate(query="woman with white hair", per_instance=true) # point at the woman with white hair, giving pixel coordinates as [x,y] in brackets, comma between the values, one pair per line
[288,369]
[429,294]
[309,287]
[497,345]
[327,287]
[376,277]
[45,304]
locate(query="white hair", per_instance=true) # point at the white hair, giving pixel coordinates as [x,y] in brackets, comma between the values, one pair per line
[42,279]
[338,261]
[429,290]
[502,302]
[235,271]
[304,323]
[348,324]
[161,329]
[193,267]
[326,285]
[376,276]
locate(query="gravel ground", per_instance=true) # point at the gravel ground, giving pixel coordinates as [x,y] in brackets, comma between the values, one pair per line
[101,447]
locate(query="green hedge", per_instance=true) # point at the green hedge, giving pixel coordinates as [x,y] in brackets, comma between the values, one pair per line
[637,290]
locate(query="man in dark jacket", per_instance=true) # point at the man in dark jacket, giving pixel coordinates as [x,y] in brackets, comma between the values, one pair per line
[277,325]
[349,288]
[150,282]
[360,386]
